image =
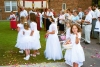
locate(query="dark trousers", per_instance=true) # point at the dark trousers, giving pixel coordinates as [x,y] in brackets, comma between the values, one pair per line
[94,33]
[47,24]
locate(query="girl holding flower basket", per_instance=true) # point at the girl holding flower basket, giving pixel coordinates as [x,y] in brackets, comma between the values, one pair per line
[75,55]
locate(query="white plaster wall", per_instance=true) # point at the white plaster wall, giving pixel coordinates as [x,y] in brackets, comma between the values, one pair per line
[28,4]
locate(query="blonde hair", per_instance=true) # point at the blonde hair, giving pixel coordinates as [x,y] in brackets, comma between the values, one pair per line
[26,26]
[69,22]
[22,19]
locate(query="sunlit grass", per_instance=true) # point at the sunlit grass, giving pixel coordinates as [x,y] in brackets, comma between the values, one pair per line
[9,55]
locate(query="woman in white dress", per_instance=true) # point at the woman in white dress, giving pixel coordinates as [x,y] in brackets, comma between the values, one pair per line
[20,27]
[53,47]
[75,56]
[35,35]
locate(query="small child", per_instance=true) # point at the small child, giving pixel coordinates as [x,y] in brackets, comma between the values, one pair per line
[26,41]
[75,56]
[53,47]
[13,23]
[35,35]
[68,25]
[20,27]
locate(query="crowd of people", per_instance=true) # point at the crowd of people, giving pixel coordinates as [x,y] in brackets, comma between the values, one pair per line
[74,23]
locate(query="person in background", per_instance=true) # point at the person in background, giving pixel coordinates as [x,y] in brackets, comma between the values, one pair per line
[80,13]
[97,29]
[67,13]
[23,12]
[54,14]
[39,20]
[75,17]
[48,14]
[61,22]
[13,23]
[94,20]
[68,26]
[70,16]
[88,25]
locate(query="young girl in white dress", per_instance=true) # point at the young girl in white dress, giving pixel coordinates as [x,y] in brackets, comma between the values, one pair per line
[75,56]
[35,35]
[26,41]
[53,47]
[68,26]
[20,27]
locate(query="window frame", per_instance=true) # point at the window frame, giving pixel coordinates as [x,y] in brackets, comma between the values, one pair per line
[63,5]
[10,5]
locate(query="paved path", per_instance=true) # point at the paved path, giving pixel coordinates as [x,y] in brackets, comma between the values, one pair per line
[58,64]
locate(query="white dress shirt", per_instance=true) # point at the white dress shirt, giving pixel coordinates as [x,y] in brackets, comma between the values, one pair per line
[92,13]
[70,17]
[23,13]
[61,18]
[88,18]
[97,13]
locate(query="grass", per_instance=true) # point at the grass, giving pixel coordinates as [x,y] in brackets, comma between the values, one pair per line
[9,55]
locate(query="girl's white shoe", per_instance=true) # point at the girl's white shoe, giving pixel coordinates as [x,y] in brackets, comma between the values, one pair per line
[27,57]
[21,51]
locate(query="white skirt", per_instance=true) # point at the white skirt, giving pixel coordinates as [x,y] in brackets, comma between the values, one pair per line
[53,48]
[19,37]
[36,41]
[25,43]
[76,54]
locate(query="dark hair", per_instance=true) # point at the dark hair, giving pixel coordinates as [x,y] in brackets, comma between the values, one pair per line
[76,12]
[95,6]
[68,9]
[32,17]
[12,11]
[52,19]
[26,26]
[78,27]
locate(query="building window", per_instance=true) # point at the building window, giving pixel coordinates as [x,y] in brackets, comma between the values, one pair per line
[10,6]
[64,6]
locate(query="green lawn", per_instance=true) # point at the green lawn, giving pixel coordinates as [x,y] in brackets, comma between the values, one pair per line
[9,55]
